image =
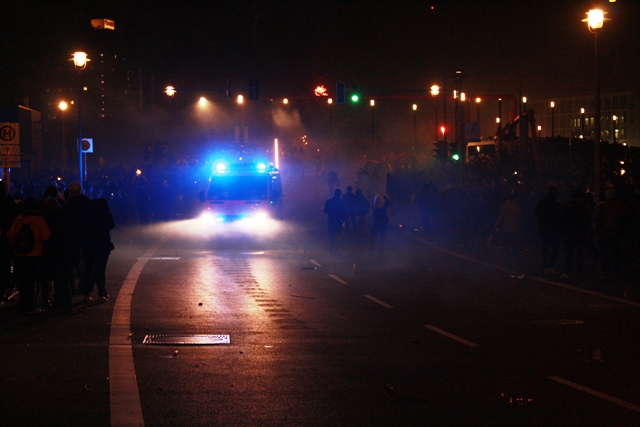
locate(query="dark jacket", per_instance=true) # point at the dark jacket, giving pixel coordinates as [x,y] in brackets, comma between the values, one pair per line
[98,226]
[548,214]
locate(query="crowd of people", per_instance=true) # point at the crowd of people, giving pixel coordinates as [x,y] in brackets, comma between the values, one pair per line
[564,221]
[54,247]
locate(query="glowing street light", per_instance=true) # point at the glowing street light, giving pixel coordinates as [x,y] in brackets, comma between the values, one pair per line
[80,60]
[595,21]
[478,101]
[202,102]
[63,107]
[170,91]
[435,91]
[553,124]
[415,129]
[373,126]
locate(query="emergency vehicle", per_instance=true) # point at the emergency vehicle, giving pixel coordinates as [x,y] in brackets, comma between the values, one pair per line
[243,192]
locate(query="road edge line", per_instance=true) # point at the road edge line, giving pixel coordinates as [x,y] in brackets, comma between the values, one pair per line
[124,398]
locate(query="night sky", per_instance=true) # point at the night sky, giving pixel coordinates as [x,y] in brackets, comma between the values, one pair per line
[540,46]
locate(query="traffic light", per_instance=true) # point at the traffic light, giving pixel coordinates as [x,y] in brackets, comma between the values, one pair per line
[355,97]
[455,156]
[440,150]
[341,92]
[253,89]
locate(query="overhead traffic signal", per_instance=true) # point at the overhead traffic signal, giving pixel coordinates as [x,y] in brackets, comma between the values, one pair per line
[355,96]
[341,93]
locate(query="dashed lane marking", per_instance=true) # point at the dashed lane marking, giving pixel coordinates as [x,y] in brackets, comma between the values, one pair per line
[453,337]
[539,279]
[596,393]
[337,279]
[316,263]
[376,300]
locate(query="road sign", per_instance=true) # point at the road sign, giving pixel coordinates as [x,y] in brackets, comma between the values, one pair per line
[87,145]
[10,145]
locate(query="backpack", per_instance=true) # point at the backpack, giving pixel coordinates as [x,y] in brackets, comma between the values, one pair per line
[25,240]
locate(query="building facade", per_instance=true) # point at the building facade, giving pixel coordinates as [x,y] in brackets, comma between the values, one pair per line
[575,116]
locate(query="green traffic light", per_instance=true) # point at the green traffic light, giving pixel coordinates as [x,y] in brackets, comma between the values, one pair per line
[455,157]
[354,98]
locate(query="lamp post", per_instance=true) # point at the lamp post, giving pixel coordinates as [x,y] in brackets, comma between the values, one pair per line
[330,103]
[582,121]
[63,107]
[478,101]
[615,127]
[435,90]
[595,21]
[80,63]
[415,129]
[373,126]
[170,91]
[553,124]
[241,104]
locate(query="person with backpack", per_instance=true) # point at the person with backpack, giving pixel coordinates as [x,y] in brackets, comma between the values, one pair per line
[26,235]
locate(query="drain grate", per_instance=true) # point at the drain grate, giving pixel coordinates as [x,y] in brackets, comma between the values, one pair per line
[186,339]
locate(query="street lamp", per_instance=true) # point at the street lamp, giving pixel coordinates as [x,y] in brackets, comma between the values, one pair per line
[63,107]
[478,101]
[553,124]
[170,91]
[435,91]
[415,129]
[373,126]
[582,121]
[80,63]
[595,21]
[524,103]
[615,128]
[240,100]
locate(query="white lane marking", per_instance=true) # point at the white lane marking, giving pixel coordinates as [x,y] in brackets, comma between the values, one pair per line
[596,393]
[124,398]
[337,279]
[316,263]
[453,337]
[376,300]
[539,279]
[160,258]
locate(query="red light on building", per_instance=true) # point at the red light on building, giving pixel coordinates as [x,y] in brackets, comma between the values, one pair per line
[320,91]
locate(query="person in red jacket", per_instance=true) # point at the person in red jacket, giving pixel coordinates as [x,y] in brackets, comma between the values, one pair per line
[27,265]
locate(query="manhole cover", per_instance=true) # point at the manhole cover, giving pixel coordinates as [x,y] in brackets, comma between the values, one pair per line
[186,339]
[558,322]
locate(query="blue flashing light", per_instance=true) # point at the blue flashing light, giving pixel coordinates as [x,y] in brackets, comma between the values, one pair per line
[261,167]
[220,167]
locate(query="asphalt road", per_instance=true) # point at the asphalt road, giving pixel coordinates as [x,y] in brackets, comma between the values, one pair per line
[418,336]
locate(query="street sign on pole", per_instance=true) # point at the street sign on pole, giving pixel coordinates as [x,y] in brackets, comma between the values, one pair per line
[10,145]
[87,145]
